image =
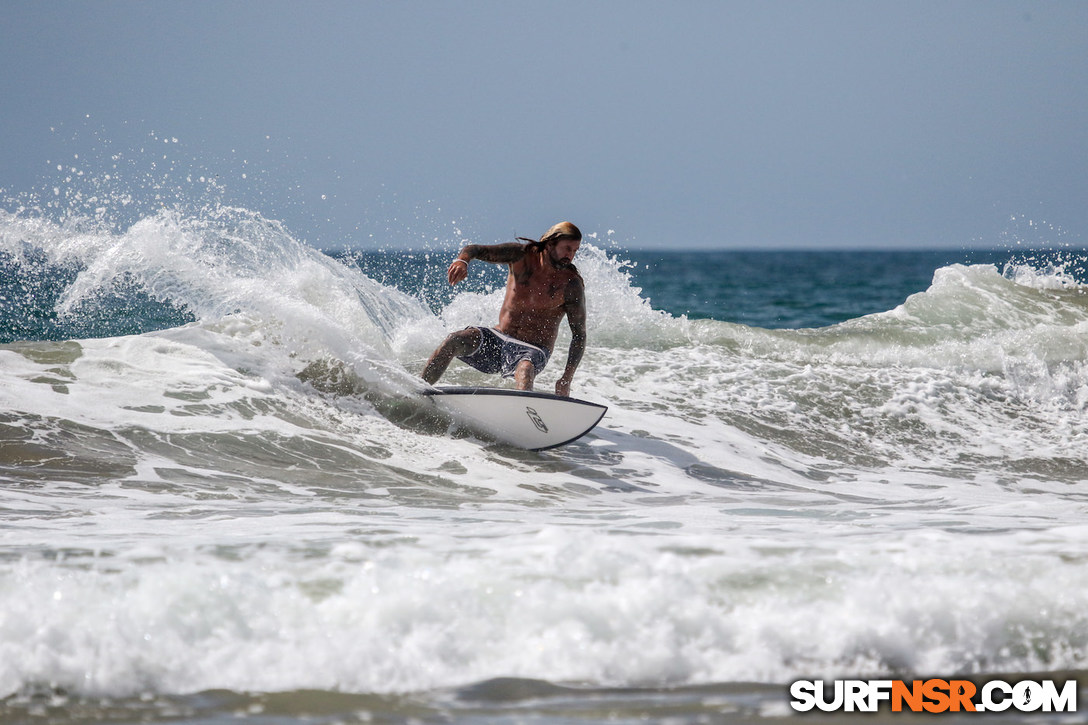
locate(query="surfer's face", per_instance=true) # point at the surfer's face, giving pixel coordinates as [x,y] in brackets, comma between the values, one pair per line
[563,251]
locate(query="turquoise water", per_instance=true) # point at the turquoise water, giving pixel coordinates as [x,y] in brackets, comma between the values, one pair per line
[793,289]
[219,502]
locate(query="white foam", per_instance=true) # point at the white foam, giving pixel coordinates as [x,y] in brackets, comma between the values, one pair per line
[557,604]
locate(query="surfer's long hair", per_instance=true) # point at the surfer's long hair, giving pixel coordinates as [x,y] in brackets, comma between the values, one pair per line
[562,230]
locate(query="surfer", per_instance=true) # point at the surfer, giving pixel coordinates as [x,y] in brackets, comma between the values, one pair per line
[542,287]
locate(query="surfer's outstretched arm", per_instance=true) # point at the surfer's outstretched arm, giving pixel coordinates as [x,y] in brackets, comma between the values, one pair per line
[494,253]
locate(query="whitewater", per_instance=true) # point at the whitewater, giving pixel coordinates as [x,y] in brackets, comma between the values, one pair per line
[221,497]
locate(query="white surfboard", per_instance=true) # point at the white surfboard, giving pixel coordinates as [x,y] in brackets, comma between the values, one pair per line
[530,420]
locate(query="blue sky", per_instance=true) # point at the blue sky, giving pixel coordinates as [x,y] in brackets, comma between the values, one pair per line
[676,124]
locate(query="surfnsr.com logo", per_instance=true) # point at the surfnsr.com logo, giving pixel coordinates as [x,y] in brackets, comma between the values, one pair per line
[935,696]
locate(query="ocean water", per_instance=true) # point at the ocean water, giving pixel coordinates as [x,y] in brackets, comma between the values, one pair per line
[222,502]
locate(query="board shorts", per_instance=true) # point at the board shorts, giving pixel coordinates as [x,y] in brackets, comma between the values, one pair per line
[499,353]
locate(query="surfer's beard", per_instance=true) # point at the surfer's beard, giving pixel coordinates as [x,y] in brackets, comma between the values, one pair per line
[561,262]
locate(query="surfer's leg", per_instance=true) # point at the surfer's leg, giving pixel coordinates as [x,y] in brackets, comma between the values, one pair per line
[456,344]
[524,374]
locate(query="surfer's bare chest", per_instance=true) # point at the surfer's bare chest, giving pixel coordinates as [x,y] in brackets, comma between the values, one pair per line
[537,287]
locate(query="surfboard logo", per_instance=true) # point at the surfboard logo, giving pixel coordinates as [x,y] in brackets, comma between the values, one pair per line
[537,420]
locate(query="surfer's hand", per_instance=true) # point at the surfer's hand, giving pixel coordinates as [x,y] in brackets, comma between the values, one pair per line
[562,387]
[458,271]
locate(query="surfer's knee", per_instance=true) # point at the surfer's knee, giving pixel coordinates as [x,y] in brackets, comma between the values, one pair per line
[463,342]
